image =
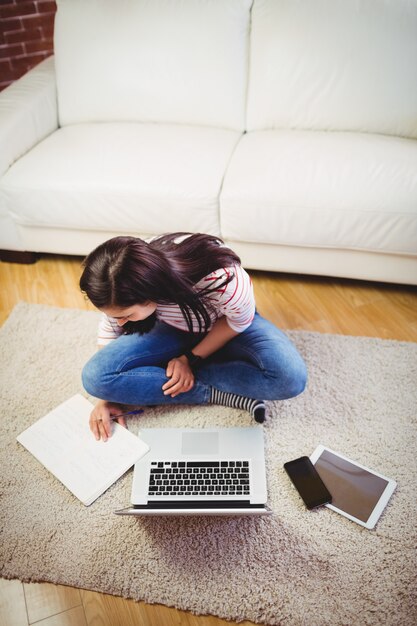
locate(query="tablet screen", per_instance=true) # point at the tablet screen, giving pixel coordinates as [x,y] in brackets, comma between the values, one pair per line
[354,489]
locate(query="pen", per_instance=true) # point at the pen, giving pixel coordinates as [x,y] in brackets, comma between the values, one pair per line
[136,412]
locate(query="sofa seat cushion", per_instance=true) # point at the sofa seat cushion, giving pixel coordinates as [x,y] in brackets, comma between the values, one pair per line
[323,189]
[144,178]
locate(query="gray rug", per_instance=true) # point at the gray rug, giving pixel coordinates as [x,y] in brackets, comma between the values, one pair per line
[295,567]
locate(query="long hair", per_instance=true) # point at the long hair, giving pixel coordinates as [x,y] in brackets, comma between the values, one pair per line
[124,271]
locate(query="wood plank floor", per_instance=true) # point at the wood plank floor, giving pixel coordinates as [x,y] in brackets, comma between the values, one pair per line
[292,302]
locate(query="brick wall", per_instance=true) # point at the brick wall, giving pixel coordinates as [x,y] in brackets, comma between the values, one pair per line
[26,36]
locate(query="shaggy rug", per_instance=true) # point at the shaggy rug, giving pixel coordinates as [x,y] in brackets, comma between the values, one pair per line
[296,567]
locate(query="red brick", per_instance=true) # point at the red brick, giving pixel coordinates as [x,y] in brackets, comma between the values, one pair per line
[45,45]
[20,65]
[24,35]
[6,72]
[7,52]
[46,6]
[12,24]
[37,21]
[16,10]
[47,32]
[27,61]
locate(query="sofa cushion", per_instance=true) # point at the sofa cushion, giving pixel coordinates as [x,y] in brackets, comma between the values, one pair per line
[334,65]
[325,189]
[152,61]
[144,178]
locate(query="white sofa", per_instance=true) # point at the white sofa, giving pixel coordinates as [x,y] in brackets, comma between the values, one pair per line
[287,127]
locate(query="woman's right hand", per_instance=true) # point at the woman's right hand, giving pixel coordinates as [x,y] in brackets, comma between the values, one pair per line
[101,419]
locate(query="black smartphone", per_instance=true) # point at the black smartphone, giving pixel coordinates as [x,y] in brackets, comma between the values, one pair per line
[308,483]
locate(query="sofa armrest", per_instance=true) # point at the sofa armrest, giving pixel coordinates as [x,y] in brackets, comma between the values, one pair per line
[28,112]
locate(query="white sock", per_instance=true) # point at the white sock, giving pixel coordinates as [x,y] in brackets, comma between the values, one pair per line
[225,398]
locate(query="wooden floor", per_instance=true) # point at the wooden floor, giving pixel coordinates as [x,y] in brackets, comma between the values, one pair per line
[291,302]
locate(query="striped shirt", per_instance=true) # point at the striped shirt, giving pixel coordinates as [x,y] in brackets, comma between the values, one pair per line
[235,301]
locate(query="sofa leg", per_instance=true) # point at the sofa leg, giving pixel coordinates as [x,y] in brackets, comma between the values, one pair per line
[18,256]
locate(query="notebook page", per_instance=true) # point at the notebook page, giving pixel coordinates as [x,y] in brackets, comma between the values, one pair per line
[63,443]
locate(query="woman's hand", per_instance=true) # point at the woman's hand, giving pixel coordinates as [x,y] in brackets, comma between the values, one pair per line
[101,419]
[180,375]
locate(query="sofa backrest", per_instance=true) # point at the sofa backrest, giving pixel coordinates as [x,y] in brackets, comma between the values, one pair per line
[334,65]
[173,61]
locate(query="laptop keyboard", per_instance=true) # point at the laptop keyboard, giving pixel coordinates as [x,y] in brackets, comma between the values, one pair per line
[199,478]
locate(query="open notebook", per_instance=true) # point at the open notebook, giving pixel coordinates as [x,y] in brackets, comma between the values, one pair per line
[63,443]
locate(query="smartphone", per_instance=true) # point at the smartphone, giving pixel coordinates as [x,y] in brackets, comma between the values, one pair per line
[308,483]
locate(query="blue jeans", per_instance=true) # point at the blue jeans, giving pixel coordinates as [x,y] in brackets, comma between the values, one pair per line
[259,363]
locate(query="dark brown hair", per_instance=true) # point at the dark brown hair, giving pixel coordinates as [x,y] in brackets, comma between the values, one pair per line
[124,271]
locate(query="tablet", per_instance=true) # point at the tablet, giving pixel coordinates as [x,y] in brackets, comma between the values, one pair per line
[358,493]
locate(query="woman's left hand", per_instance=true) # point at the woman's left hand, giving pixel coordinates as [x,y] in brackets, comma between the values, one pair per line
[180,375]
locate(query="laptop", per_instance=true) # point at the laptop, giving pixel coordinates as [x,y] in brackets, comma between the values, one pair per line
[200,471]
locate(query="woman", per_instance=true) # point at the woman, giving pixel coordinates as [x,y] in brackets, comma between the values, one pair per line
[179,326]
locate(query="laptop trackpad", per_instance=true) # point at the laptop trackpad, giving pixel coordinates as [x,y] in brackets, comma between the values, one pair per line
[200,443]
